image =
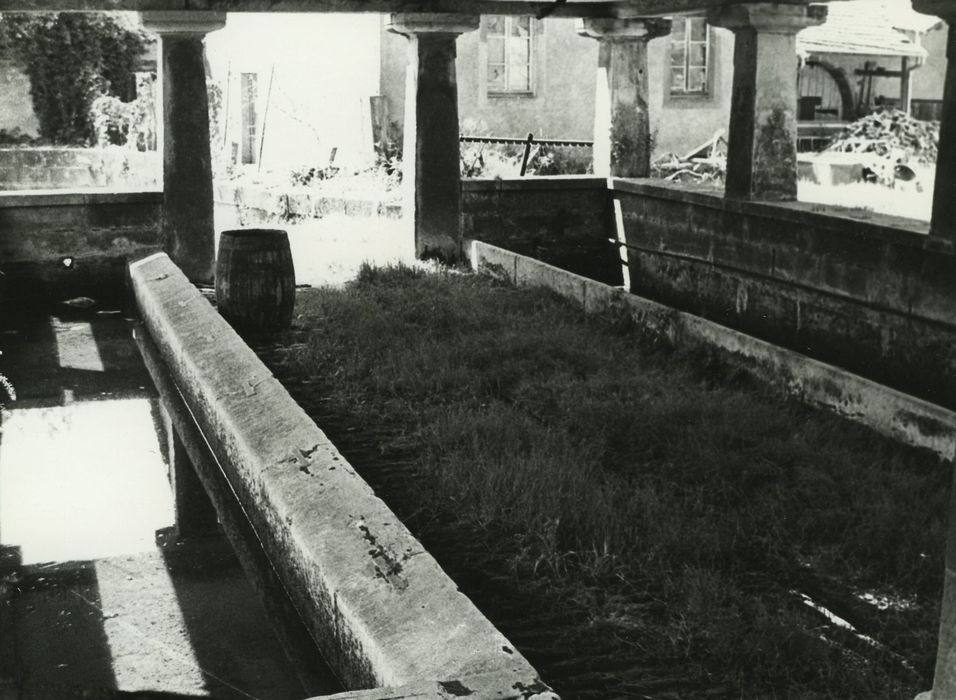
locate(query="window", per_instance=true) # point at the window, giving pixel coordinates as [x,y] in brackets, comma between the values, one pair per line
[690,51]
[509,54]
[248,92]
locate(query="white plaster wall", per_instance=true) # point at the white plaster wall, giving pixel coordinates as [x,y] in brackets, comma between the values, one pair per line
[679,123]
[928,79]
[324,67]
[564,103]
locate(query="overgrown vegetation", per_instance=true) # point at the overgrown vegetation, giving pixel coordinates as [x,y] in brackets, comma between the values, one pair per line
[670,504]
[504,160]
[133,124]
[72,58]
[15,137]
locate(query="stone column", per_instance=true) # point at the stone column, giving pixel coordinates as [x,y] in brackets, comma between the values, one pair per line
[622,130]
[194,512]
[188,233]
[944,198]
[944,226]
[430,161]
[762,143]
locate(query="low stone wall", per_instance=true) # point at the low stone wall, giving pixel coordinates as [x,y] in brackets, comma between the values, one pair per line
[71,168]
[565,221]
[875,295]
[57,246]
[377,604]
[254,204]
[906,418]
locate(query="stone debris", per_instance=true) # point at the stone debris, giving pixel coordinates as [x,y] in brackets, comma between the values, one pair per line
[890,134]
[670,167]
[704,163]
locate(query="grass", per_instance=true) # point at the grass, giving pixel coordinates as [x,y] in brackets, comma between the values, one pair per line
[655,492]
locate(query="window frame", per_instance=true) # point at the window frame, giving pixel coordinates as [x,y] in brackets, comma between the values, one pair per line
[687,44]
[531,40]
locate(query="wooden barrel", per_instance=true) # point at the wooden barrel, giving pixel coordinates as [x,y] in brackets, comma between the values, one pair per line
[255,280]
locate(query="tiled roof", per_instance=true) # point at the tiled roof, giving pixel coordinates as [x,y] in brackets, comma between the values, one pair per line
[868,27]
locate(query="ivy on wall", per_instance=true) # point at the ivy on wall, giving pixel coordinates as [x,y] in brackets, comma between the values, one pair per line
[71,60]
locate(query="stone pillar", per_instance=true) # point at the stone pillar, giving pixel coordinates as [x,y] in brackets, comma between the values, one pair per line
[188,233]
[430,161]
[944,226]
[944,198]
[762,143]
[622,130]
[194,512]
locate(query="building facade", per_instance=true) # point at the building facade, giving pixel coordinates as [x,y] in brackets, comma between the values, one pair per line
[288,98]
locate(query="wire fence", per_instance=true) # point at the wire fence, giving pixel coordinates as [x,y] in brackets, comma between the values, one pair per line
[529,142]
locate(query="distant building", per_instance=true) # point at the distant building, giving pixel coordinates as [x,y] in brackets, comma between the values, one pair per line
[870,53]
[519,75]
[295,87]
[289,96]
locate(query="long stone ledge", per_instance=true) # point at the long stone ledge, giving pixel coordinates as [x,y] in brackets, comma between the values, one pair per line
[895,228]
[56,198]
[574,8]
[497,686]
[378,605]
[528,184]
[901,416]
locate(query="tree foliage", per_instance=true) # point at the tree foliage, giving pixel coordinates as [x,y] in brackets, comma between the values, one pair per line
[71,60]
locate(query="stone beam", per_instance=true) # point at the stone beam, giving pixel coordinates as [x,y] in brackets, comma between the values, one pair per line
[762,144]
[540,8]
[188,231]
[431,173]
[622,130]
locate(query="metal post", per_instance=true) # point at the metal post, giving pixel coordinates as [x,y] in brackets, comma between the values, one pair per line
[527,154]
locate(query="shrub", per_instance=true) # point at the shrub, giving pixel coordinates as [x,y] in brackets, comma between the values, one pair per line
[71,60]
[119,123]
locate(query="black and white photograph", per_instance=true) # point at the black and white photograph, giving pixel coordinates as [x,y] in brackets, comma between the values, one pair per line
[477,349]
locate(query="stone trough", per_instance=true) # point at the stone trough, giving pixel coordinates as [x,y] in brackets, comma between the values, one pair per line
[377,605]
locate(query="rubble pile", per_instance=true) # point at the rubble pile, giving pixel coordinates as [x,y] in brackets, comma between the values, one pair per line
[670,167]
[704,163]
[890,134]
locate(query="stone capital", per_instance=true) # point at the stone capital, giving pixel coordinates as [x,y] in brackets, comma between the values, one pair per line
[769,18]
[645,28]
[183,24]
[412,23]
